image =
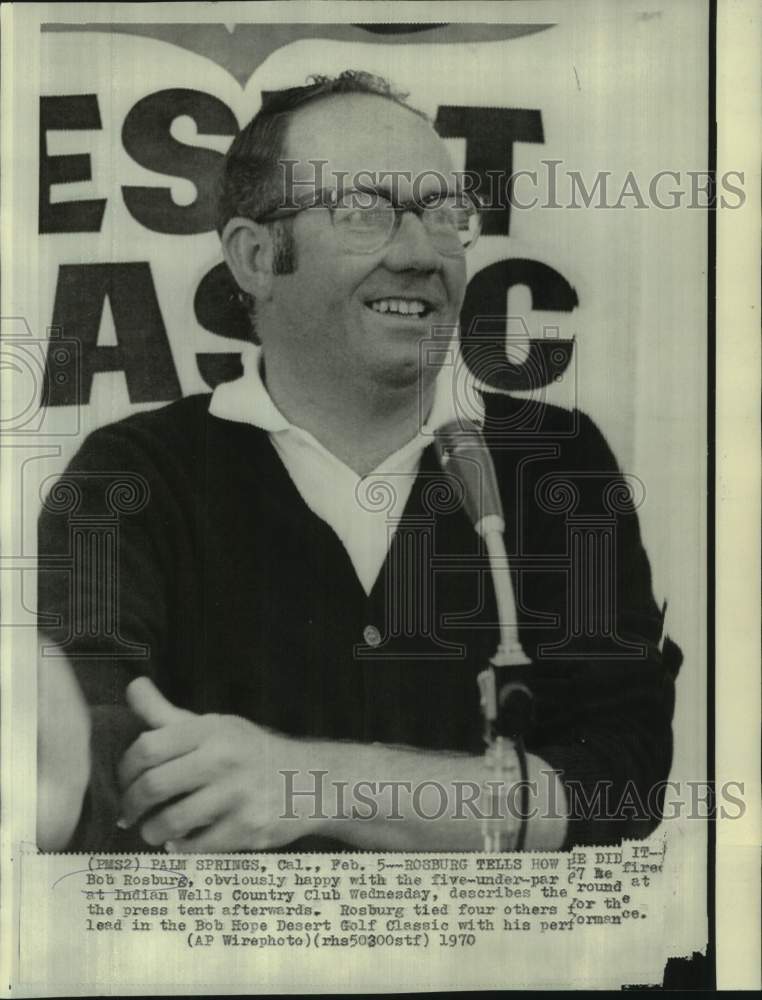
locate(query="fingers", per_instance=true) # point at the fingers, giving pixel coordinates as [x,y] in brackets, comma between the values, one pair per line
[199,809]
[160,784]
[145,699]
[206,776]
[224,835]
[156,747]
[236,832]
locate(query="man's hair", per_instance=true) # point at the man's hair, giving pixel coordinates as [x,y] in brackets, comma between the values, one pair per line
[251,182]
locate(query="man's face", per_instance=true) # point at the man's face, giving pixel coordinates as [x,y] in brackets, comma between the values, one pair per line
[322,316]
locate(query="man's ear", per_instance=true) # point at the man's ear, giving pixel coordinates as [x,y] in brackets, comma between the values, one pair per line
[248,250]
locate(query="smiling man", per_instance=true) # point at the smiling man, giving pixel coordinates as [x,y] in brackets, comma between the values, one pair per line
[304,610]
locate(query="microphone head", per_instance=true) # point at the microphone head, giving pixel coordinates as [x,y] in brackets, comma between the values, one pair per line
[463,452]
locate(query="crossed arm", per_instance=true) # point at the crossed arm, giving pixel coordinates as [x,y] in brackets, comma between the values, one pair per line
[199,783]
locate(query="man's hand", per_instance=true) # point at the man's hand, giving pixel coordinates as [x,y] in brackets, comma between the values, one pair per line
[215,783]
[206,782]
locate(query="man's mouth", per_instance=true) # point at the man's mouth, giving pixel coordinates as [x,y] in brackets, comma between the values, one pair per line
[413,308]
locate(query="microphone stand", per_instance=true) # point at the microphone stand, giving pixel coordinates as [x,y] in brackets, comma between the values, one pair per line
[506,705]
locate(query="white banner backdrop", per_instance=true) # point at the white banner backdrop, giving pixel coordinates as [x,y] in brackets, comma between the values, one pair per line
[609,99]
[612,95]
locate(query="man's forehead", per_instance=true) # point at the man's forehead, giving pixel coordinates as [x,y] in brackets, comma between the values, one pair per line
[362,132]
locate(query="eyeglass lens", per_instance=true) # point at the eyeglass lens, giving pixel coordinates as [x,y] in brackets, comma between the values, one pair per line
[452,224]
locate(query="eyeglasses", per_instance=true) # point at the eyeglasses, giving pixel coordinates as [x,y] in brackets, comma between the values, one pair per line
[366,220]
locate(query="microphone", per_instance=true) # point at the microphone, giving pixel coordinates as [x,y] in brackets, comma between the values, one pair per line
[507,708]
[462,451]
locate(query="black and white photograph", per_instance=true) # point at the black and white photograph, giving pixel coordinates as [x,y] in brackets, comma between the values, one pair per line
[364,555]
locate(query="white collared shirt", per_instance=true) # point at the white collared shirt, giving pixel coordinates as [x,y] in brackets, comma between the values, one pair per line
[362,510]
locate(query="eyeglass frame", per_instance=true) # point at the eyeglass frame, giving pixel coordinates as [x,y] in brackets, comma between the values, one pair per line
[329,197]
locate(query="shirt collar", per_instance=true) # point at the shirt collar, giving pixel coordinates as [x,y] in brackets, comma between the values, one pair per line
[246,400]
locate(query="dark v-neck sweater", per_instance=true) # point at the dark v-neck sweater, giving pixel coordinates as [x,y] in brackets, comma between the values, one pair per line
[236,598]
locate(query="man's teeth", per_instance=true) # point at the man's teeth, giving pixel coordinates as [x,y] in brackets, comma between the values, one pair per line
[407,307]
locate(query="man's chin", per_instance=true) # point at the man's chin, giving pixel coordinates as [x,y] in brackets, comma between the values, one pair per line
[400,376]
[399,355]
[395,359]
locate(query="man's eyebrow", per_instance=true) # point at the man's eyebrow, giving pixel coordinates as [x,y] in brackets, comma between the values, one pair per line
[387,191]
[381,189]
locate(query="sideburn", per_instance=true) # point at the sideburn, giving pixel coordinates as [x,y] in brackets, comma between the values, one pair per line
[284,248]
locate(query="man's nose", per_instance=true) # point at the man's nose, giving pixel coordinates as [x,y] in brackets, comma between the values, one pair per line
[411,248]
